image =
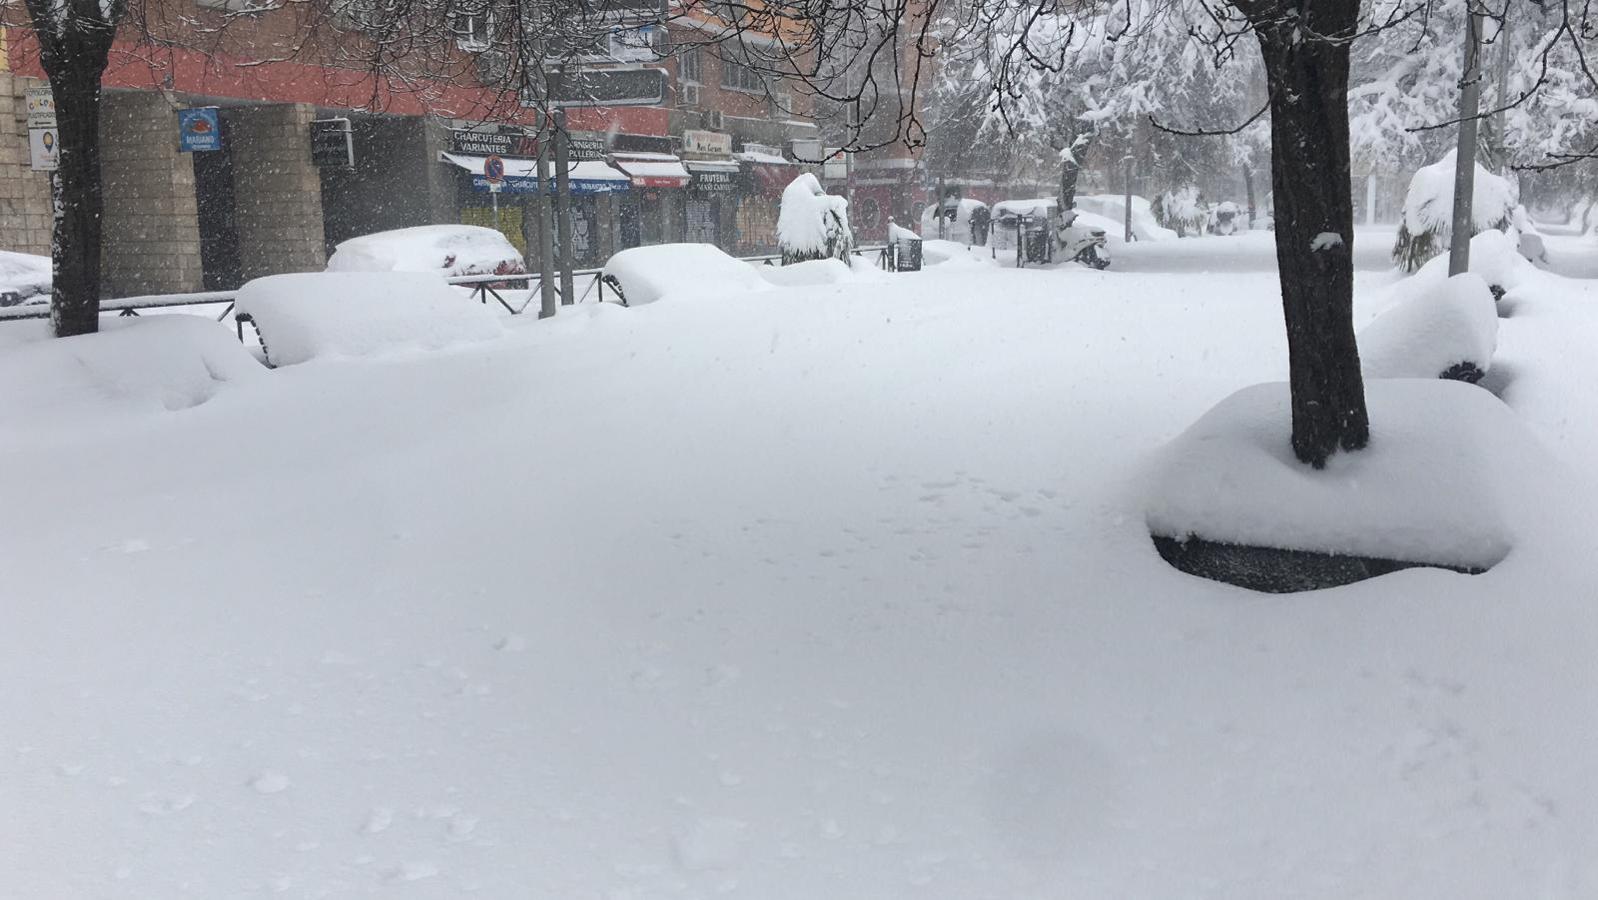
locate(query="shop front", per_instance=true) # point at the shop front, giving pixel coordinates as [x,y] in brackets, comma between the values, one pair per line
[710,205]
[648,212]
[765,174]
[508,204]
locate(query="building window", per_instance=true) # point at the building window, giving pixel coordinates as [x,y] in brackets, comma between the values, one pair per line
[740,77]
[688,65]
[473,29]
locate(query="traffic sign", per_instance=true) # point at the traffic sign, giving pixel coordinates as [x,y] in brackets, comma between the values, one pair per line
[494,170]
[199,129]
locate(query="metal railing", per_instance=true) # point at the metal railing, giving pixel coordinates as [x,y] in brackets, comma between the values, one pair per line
[483,287]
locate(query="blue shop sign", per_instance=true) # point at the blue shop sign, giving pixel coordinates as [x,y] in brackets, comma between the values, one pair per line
[199,129]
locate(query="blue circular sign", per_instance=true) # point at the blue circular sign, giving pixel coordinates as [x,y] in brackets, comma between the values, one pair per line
[494,169]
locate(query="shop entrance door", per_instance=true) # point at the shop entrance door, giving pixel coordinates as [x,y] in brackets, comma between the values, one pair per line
[703,220]
[219,234]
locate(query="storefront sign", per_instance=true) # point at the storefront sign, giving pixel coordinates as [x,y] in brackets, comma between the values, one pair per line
[515,184]
[763,149]
[199,130]
[713,182]
[506,141]
[707,143]
[332,144]
[586,146]
[41,107]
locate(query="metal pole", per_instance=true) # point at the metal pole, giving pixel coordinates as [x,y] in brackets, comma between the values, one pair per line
[546,239]
[1128,236]
[563,206]
[1465,163]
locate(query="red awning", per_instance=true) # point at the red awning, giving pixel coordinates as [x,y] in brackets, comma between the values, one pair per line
[652,170]
[772,178]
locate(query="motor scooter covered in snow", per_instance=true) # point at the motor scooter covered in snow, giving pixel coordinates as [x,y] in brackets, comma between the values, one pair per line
[1085,244]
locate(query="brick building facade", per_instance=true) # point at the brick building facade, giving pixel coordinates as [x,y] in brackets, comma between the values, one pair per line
[187,221]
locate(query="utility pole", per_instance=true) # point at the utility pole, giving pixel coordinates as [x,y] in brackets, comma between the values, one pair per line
[546,248]
[1465,155]
[563,206]
[1128,198]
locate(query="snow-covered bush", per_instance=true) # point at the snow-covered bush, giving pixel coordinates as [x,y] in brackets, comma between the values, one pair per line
[812,224]
[303,316]
[447,249]
[1181,211]
[1427,223]
[1446,330]
[645,274]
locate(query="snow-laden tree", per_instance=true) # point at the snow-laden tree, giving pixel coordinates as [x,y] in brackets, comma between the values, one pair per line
[1539,102]
[1016,90]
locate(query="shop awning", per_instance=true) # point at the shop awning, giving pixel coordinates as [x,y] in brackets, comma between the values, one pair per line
[770,173]
[652,170]
[521,175]
[710,165]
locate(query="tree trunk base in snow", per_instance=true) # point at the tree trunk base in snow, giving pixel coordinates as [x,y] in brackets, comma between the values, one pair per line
[1275,570]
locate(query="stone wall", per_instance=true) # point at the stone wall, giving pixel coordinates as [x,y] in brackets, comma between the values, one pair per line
[25,220]
[277,189]
[151,229]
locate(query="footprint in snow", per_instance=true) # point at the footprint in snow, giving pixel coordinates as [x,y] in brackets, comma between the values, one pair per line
[270,783]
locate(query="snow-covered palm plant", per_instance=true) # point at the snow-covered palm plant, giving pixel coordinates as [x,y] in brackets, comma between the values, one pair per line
[812,224]
[1426,228]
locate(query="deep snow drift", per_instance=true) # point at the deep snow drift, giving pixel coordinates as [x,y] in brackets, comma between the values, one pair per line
[841,591]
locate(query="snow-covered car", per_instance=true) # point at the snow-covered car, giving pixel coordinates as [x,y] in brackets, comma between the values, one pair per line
[450,250]
[642,275]
[25,278]
[966,222]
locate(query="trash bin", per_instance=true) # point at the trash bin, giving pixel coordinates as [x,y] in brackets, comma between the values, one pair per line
[1038,244]
[907,255]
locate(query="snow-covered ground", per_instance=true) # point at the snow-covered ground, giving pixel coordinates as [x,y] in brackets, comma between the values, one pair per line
[836,591]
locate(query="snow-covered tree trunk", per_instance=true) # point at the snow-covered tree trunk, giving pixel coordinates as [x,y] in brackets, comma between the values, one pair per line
[1307,63]
[74,42]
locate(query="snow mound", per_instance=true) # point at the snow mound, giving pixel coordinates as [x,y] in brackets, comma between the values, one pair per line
[144,364]
[22,276]
[810,272]
[1115,231]
[450,249]
[897,232]
[1435,485]
[1494,255]
[1447,327]
[812,224]
[1113,207]
[648,274]
[303,316]
[936,253]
